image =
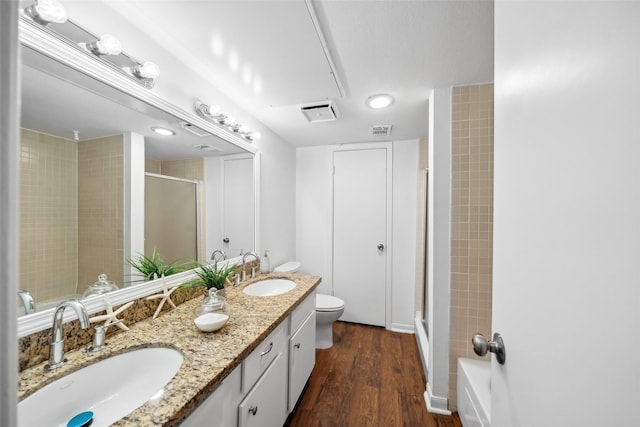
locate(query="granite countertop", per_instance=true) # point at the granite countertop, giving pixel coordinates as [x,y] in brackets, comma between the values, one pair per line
[208,357]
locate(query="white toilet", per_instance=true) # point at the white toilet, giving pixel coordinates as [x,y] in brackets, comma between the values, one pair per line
[328,309]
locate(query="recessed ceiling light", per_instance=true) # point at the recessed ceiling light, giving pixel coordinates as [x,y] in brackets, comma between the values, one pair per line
[163,131]
[381,100]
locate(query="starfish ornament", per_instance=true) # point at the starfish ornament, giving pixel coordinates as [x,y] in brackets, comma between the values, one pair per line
[112,316]
[165,297]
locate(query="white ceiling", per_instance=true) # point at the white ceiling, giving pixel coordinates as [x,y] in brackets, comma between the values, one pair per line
[268,57]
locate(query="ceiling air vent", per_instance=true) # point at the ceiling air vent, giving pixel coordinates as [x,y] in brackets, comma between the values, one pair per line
[207,147]
[194,129]
[381,130]
[320,111]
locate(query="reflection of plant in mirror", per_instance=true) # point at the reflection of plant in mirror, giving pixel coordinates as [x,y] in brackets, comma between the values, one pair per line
[210,276]
[152,266]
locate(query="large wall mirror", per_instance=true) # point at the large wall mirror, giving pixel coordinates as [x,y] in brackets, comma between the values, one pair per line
[89,158]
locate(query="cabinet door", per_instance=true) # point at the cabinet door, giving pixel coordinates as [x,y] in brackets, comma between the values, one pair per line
[302,358]
[219,410]
[266,403]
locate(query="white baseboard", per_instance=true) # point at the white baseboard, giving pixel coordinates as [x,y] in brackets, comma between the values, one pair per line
[405,329]
[435,404]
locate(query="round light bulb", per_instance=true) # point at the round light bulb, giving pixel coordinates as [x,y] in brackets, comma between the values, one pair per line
[110,45]
[47,11]
[106,45]
[215,110]
[148,70]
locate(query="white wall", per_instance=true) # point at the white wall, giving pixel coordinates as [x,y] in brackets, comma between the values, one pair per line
[314,213]
[439,258]
[277,200]
[314,223]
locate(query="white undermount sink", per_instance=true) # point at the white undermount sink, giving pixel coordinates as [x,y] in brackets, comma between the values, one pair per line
[111,388]
[269,287]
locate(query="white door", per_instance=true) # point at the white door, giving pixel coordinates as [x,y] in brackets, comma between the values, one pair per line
[238,206]
[360,219]
[566,295]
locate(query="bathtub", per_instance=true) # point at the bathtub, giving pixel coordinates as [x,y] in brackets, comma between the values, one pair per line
[474,392]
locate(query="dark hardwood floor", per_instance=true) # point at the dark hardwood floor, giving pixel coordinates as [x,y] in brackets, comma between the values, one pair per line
[370,377]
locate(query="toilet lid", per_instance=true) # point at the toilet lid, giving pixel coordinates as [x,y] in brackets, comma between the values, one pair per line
[288,267]
[328,303]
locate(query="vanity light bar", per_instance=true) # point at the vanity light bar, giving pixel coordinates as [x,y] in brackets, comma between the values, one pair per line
[106,49]
[214,114]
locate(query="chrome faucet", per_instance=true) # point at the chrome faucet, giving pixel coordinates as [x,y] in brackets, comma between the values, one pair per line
[253,270]
[216,252]
[56,349]
[28,302]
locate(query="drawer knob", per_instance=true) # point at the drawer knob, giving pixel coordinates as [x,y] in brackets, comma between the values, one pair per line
[253,410]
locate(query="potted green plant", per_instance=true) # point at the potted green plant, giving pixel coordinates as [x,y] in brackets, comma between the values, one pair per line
[155,266]
[210,276]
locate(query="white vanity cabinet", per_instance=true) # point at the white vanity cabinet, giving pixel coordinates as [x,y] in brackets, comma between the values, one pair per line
[265,387]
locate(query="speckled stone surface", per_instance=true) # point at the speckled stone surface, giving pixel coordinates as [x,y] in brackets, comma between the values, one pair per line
[208,357]
[34,349]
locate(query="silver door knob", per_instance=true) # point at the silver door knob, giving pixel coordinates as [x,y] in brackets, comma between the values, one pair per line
[225,240]
[380,247]
[481,346]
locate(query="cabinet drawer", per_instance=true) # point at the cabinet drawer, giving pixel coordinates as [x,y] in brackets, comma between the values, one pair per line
[266,404]
[302,358]
[262,356]
[301,312]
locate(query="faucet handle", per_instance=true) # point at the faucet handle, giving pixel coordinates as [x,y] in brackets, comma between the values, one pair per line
[98,337]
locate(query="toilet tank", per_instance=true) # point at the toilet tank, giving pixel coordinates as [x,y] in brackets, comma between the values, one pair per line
[288,267]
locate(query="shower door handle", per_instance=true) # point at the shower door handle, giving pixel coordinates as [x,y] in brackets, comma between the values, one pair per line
[225,240]
[481,346]
[380,247]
